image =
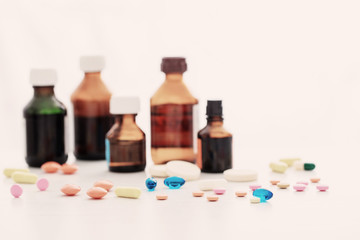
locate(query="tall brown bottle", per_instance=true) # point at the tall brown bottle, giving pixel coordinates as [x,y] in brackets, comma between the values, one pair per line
[172,116]
[92,119]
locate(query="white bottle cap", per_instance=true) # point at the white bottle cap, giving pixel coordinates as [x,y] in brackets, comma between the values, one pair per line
[43,77]
[92,63]
[124,105]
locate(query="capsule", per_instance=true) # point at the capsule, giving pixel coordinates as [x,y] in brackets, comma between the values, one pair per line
[151,184]
[304,166]
[278,167]
[24,177]
[263,194]
[174,182]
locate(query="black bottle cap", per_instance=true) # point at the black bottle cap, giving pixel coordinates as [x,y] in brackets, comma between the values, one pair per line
[214,108]
[173,65]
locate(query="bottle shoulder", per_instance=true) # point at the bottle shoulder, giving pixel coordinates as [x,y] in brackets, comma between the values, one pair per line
[95,91]
[214,132]
[125,133]
[173,93]
[45,105]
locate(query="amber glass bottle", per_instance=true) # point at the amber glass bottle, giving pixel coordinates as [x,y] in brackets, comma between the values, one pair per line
[92,118]
[172,116]
[125,142]
[45,121]
[214,142]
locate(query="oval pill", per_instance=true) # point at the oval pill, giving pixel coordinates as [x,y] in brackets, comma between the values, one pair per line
[198,194]
[254,199]
[240,175]
[128,192]
[50,167]
[210,184]
[24,177]
[322,188]
[9,171]
[70,189]
[42,184]
[299,187]
[96,192]
[105,184]
[16,190]
[219,191]
[158,170]
[278,167]
[69,168]
[161,197]
[240,193]
[183,169]
[315,180]
[283,185]
[212,198]
[274,182]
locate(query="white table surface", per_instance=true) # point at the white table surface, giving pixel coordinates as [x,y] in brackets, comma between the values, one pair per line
[289,215]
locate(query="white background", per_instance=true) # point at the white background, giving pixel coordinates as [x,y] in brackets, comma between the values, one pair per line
[287,71]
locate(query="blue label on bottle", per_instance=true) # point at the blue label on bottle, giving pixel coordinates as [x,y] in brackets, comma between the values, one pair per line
[107,151]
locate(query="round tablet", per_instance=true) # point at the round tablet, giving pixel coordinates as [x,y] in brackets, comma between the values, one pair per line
[158,170]
[240,175]
[186,170]
[212,198]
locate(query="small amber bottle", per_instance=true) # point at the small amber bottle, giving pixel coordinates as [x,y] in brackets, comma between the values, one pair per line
[92,119]
[214,142]
[173,114]
[125,142]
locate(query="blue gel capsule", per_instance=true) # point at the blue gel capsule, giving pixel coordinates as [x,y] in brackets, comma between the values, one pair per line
[263,194]
[174,182]
[151,184]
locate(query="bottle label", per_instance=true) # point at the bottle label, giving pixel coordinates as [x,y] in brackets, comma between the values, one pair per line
[172,125]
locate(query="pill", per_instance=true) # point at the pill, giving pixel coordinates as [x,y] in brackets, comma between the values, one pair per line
[315,180]
[42,184]
[128,192]
[254,199]
[299,187]
[174,182]
[161,197]
[105,184]
[9,171]
[219,191]
[70,189]
[240,193]
[212,198]
[198,194]
[263,194]
[183,169]
[69,168]
[24,177]
[289,161]
[16,190]
[322,188]
[50,167]
[96,192]
[254,187]
[240,175]
[150,183]
[158,170]
[302,182]
[278,167]
[274,182]
[210,184]
[304,166]
[283,185]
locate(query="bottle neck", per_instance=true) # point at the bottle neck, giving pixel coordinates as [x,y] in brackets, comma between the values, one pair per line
[174,77]
[215,120]
[46,91]
[92,76]
[125,119]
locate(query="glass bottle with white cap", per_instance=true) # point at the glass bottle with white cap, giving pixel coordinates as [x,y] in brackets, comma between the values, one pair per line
[92,119]
[125,142]
[45,121]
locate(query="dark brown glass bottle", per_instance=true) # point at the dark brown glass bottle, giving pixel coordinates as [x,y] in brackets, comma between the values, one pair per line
[214,142]
[125,142]
[172,116]
[45,121]
[92,119]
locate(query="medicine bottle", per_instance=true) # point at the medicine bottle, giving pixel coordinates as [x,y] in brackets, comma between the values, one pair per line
[125,142]
[92,119]
[45,121]
[214,142]
[173,114]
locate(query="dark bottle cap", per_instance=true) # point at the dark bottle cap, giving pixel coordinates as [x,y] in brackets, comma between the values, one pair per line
[214,108]
[173,65]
